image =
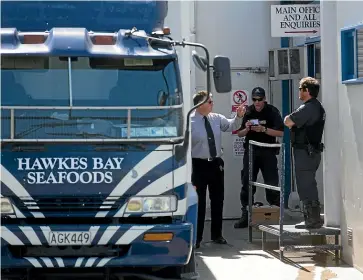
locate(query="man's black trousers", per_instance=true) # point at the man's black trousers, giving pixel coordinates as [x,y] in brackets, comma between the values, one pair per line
[264,159]
[305,171]
[209,174]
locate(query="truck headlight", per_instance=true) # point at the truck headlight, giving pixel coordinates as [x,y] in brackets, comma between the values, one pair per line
[151,204]
[6,206]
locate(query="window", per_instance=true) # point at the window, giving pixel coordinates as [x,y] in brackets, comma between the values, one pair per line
[352,54]
[80,84]
[314,60]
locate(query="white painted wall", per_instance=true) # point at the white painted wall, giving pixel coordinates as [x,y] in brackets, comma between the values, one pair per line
[343,170]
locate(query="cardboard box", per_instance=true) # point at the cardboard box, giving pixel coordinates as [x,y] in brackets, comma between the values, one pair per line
[265,215]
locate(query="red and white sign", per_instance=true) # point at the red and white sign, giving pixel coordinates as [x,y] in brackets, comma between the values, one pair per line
[239,97]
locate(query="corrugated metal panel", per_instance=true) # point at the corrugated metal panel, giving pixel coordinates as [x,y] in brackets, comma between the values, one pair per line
[360,52]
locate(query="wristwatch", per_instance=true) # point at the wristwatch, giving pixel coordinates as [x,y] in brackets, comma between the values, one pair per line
[264,129]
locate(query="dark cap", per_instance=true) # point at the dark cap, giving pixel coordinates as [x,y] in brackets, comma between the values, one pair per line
[258,91]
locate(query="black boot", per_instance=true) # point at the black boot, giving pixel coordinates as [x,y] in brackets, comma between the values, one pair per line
[311,216]
[315,220]
[243,221]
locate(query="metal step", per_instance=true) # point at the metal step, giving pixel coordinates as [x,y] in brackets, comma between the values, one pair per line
[290,230]
[306,248]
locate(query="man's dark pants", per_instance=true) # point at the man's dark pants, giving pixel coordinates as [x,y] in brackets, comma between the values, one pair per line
[264,159]
[209,174]
[305,171]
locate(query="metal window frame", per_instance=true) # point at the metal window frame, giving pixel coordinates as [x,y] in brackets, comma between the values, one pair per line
[275,67]
[357,76]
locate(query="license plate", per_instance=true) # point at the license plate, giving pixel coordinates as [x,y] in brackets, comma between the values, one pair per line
[69,238]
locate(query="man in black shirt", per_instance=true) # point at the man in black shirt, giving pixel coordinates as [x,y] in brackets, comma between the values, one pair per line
[307,126]
[262,123]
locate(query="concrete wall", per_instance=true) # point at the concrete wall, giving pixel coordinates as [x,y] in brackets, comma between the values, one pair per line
[343,160]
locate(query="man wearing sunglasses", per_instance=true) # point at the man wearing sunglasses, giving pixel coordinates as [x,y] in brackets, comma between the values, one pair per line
[262,123]
[207,164]
[307,126]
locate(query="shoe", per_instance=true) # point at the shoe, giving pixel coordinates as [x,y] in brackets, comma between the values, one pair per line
[311,216]
[219,240]
[197,245]
[243,221]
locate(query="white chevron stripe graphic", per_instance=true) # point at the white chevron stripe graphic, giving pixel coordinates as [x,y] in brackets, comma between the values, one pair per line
[145,165]
[37,214]
[46,231]
[120,212]
[18,212]
[47,262]
[13,184]
[31,235]
[103,262]
[33,261]
[163,184]
[133,233]
[107,235]
[90,262]
[60,262]
[78,262]
[10,237]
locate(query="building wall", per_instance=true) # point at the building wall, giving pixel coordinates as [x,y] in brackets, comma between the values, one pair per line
[348,129]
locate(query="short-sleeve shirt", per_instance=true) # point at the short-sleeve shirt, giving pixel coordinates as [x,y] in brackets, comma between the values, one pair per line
[307,114]
[269,117]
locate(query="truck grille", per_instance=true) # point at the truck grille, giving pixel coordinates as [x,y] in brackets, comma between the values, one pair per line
[69,204]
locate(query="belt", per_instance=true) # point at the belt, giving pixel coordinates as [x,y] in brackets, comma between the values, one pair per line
[207,159]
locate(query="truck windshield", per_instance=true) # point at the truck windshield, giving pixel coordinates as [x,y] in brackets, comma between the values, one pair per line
[90,98]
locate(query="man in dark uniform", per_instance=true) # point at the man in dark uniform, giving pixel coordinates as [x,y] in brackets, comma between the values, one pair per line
[307,126]
[263,123]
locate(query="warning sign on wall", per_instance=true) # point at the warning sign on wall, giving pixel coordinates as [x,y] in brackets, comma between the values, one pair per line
[238,146]
[239,97]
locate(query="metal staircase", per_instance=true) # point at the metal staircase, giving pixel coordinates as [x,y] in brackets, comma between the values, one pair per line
[285,232]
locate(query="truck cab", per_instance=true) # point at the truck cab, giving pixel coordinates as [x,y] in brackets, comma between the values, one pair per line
[91,118]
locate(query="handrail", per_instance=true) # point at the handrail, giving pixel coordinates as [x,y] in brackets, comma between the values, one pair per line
[279,188]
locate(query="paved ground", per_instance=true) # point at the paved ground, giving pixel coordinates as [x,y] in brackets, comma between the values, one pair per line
[241,260]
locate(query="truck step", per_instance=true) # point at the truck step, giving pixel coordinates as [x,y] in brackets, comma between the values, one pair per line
[190,276]
[306,248]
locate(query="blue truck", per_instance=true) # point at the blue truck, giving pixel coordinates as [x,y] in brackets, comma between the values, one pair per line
[94,141]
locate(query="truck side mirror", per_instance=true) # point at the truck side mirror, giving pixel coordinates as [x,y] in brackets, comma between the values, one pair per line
[199,61]
[222,74]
